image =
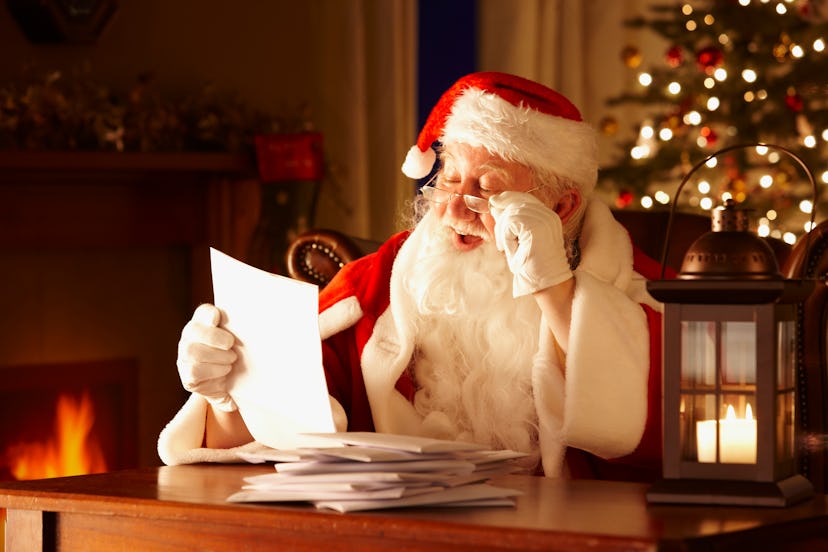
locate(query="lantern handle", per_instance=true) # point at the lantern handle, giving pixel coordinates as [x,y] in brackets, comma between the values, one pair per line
[665,249]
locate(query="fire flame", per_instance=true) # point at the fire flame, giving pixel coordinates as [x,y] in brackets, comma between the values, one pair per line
[72,450]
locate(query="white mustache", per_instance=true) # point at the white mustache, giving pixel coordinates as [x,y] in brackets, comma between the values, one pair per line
[474,230]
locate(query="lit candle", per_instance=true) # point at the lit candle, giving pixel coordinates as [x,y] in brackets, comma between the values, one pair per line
[737,438]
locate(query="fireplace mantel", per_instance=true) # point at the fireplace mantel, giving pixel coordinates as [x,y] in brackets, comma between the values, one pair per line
[142,162]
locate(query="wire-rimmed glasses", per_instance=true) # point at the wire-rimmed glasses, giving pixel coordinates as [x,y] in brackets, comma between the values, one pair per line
[473,203]
[439,195]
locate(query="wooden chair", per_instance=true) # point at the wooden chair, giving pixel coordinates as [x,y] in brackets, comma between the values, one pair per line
[317,255]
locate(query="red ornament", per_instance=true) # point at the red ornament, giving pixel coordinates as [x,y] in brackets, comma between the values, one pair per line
[709,58]
[794,102]
[624,198]
[675,56]
[709,136]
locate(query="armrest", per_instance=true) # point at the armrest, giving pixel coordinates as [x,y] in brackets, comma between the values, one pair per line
[316,255]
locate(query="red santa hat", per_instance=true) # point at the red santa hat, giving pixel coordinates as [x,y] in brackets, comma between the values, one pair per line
[515,118]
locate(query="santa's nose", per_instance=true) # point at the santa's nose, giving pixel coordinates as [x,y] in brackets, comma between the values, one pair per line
[457,208]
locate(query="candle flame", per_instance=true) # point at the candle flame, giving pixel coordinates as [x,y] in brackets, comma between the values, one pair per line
[731,413]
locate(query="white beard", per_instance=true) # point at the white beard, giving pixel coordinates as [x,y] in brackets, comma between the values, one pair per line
[474,345]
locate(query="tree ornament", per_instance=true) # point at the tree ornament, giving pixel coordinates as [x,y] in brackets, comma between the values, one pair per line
[675,56]
[794,101]
[710,136]
[709,59]
[609,126]
[624,198]
[631,56]
[814,11]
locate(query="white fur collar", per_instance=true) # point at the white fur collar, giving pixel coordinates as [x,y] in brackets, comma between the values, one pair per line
[606,250]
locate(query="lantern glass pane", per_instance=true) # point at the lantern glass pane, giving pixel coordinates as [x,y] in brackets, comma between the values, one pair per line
[786,354]
[698,354]
[728,435]
[784,426]
[738,355]
[696,408]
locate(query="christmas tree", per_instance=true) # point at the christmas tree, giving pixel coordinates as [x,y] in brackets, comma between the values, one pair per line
[734,74]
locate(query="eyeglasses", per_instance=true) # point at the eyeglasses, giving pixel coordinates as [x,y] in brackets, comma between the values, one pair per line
[473,203]
[439,195]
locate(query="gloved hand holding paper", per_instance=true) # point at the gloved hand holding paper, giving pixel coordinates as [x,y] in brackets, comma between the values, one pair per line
[278,381]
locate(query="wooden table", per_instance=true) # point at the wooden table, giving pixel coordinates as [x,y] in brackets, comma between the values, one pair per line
[184,508]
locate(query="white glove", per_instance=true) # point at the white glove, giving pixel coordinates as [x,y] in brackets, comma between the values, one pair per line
[205,357]
[531,235]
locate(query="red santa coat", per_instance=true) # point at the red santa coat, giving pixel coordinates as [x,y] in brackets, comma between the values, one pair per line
[604,403]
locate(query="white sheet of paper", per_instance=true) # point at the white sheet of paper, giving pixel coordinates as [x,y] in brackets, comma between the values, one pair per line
[410,443]
[278,381]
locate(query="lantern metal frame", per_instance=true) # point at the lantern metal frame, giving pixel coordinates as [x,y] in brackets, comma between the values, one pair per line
[769,304]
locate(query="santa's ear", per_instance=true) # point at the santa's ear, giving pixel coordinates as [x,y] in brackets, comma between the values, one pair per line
[568,204]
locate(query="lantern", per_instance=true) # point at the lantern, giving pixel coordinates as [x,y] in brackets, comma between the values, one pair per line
[729,385]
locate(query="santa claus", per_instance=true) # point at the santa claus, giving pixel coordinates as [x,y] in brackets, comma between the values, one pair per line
[511,315]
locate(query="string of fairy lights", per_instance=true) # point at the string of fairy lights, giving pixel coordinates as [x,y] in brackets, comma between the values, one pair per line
[705,101]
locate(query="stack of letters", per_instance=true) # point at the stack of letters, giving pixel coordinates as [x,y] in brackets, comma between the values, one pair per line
[367,471]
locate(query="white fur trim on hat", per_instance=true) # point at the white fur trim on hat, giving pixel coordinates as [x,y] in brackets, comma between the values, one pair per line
[559,145]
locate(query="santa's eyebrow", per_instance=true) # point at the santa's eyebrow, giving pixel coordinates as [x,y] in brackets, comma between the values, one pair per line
[496,170]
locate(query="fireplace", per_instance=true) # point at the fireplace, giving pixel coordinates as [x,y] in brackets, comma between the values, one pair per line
[68,418]
[104,256]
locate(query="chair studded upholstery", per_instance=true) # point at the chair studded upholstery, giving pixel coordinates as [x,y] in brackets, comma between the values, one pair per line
[809,260]
[317,255]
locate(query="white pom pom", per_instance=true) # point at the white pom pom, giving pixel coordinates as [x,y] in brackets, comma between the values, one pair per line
[418,163]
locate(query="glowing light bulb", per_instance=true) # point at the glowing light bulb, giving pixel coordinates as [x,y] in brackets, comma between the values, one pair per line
[810,141]
[640,152]
[749,75]
[674,88]
[710,163]
[713,103]
[694,118]
[819,45]
[662,197]
[720,74]
[789,238]
[646,202]
[706,203]
[645,79]
[766,181]
[703,186]
[806,206]
[797,51]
